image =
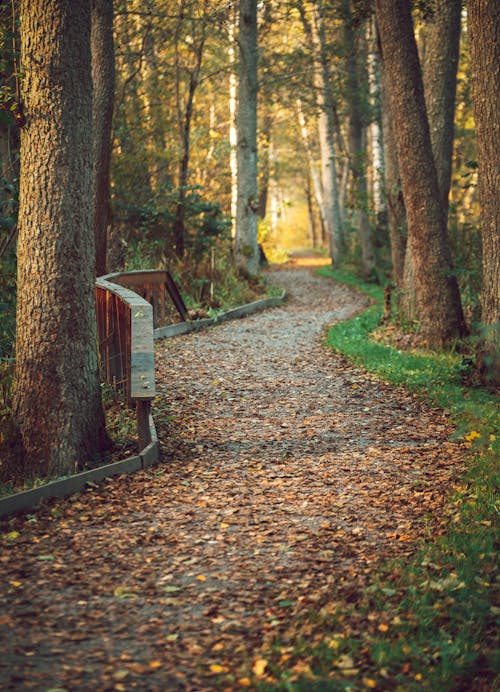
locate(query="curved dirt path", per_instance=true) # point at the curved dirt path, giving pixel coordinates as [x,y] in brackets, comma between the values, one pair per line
[288,476]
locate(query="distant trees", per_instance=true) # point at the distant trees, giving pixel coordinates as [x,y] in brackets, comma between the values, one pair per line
[57,395]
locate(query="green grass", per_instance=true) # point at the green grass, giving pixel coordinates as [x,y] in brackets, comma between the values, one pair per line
[442,605]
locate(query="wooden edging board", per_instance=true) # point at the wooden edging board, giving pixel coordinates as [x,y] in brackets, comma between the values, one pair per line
[195,325]
[63,487]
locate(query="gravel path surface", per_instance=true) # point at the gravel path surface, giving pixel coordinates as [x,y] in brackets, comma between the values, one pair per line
[288,476]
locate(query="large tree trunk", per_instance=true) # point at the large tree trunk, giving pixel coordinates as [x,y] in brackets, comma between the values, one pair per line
[440,47]
[246,250]
[357,141]
[57,402]
[437,297]
[396,213]
[441,42]
[103,85]
[484,30]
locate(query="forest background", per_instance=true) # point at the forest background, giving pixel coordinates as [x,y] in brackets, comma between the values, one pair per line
[335,171]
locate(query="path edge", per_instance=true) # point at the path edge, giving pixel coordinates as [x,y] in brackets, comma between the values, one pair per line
[64,487]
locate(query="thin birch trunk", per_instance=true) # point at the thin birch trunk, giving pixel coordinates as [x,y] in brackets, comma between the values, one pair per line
[326,138]
[246,250]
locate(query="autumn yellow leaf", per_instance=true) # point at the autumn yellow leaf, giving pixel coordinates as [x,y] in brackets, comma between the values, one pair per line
[259,666]
[244,682]
[12,535]
[201,577]
[155,664]
[369,682]
[217,668]
[383,627]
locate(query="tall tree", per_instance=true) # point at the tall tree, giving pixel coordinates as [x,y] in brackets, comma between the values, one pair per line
[396,213]
[246,250]
[185,101]
[357,139]
[439,47]
[484,30]
[375,126]
[326,126]
[441,42]
[103,87]
[437,297]
[57,404]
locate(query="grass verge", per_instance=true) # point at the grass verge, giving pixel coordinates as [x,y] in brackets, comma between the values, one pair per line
[439,611]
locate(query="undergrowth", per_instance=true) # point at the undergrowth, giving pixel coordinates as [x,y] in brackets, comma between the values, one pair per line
[442,606]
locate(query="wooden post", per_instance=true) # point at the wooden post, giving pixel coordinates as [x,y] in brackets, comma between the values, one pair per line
[143,407]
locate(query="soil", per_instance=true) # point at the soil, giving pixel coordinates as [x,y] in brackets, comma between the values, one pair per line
[288,477]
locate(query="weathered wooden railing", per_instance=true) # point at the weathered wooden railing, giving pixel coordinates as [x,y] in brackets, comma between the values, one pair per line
[159,289]
[129,306]
[126,347]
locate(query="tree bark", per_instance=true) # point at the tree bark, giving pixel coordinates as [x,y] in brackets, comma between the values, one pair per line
[326,138]
[437,297]
[246,250]
[57,404]
[484,30]
[265,158]
[357,140]
[396,213]
[376,127]
[185,110]
[441,42]
[313,172]
[156,143]
[103,88]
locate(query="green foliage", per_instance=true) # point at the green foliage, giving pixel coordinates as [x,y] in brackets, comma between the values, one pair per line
[149,227]
[438,376]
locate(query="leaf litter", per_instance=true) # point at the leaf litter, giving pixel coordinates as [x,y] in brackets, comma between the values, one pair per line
[287,478]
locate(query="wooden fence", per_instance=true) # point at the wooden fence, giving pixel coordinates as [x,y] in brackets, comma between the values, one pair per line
[125,332]
[129,306]
[159,289]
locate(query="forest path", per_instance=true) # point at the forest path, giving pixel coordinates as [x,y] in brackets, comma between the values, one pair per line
[288,476]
